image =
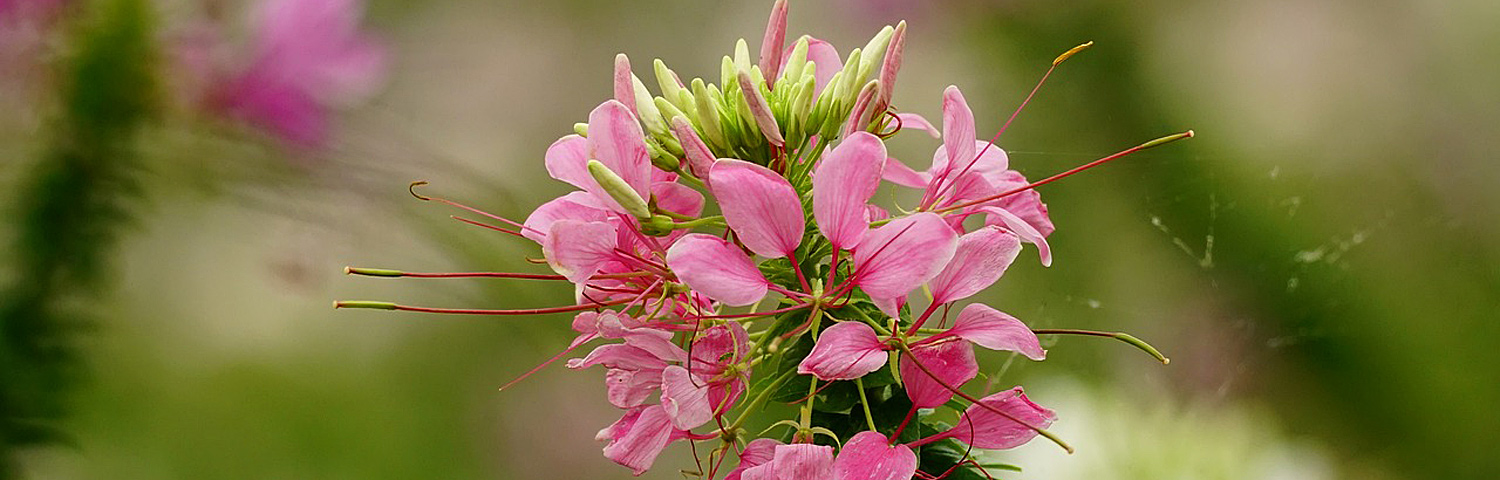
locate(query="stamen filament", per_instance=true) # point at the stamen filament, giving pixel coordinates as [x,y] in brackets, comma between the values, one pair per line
[1151,144]
[1121,336]
[471,311]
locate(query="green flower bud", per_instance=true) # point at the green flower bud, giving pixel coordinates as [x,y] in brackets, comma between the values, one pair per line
[671,86]
[759,110]
[582,129]
[658,225]
[875,50]
[650,117]
[708,114]
[620,191]
[796,63]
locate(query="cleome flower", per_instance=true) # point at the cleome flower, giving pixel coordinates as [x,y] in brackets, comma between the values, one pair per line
[725,251]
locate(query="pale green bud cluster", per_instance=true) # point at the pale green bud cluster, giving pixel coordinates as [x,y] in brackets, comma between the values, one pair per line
[753,118]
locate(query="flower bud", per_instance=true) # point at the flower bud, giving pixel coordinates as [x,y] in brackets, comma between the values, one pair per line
[649,115]
[658,225]
[582,129]
[877,46]
[770,45]
[862,108]
[708,114]
[699,157]
[619,190]
[796,62]
[760,111]
[671,86]
[624,92]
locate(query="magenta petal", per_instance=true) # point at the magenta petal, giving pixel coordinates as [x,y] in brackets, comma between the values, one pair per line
[1023,229]
[802,461]
[713,267]
[685,401]
[579,206]
[616,140]
[870,456]
[843,183]
[900,174]
[677,198]
[995,330]
[577,249]
[642,441]
[762,208]
[953,363]
[619,356]
[983,428]
[958,132]
[718,346]
[756,453]
[630,388]
[903,254]
[845,351]
[981,258]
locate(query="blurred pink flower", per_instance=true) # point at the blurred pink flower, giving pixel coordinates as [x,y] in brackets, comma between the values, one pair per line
[308,56]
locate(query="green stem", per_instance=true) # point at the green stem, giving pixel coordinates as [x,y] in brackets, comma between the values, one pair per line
[865,403]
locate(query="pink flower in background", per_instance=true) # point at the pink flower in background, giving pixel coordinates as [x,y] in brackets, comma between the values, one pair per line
[308,57]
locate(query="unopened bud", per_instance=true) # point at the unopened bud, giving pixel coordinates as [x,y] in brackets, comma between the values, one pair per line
[699,157]
[859,115]
[797,62]
[877,46]
[624,91]
[646,107]
[760,111]
[708,113]
[658,225]
[671,86]
[582,129]
[770,45]
[890,66]
[619,190]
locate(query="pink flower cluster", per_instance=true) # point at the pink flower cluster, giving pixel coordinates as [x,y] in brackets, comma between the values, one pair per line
[798,277]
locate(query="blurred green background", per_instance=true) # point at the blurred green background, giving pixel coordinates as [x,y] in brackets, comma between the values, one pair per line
[1322,263]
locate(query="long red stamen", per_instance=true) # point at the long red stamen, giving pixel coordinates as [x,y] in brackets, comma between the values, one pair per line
[942,189]
[1040,431]
[472,311]
[549,361]
[1154,143]
[486,225]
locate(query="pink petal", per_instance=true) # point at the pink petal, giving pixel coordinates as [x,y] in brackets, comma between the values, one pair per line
[842,185]
[619,356]
[616,140]
[870,456]
[720,345]
[983,428]
[685,401]
[699,157]
[958,132]
[903,254]
[630,388]
[677,198]
[981,258]
[993,329]
[579,206]
[900,174]
[953,363]
[577,250]
[761,206]
[1026,204]
[912,120]
[845,351]
[826,60]
[1023,229]
[760,110]
[770,44]
[642,440]
[713,267]
[756,453]
[567,160]
[803,461]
